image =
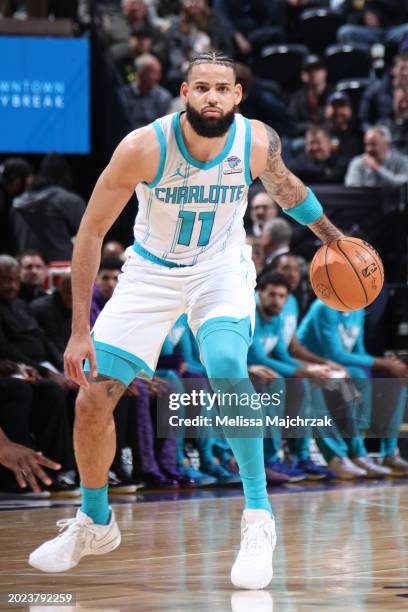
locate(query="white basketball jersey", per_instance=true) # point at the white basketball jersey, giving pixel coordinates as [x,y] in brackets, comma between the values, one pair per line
[194,210]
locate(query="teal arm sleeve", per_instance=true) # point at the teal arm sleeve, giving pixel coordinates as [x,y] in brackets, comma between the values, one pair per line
[308,211]
[361,352]
[333,347]
[281,353]
[257,356]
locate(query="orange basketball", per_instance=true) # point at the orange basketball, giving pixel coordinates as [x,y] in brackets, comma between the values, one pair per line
[347,274]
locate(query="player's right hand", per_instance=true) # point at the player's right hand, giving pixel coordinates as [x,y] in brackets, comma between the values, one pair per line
[79,347]
[26,465]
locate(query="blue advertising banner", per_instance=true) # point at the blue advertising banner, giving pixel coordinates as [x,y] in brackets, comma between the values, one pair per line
[44,95]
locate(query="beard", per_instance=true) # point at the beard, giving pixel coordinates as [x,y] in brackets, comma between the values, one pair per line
[209,127]
[270,311]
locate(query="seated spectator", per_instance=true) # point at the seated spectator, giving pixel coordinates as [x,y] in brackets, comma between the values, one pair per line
[252,24]
[113,248]
[146,99]
[340,336]
[261,209]
[21,338]
[105,283]
[54,315]
[318,163]
[269,349]
[33,274]
[141,41]
[308,103]
[125,28]
[15,178]
[398,122]
[342,126]
[196,30]
[380,22]
[276,237]
[260,102]
[33,410]
[380,165]
[25,463]
[258,255]
[377,101]
[46,217]
[295,270]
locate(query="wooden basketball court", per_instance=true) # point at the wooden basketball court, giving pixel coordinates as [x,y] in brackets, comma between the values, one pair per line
[340,547]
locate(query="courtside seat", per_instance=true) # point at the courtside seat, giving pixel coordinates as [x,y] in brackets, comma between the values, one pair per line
[348,62]
[318,28]
[354,88]
[283,64]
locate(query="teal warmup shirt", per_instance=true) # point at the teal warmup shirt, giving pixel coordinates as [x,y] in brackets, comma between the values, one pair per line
[290,318]
[335,335]
[181,341]
[268,346]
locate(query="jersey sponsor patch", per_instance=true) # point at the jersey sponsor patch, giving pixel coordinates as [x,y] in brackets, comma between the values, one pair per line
[232,165]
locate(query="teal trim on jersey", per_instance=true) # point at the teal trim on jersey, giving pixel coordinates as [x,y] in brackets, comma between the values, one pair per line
[162,143]
[308,211]
[195,162]
[118,363]
[137,247]
[247,160]
[239,326]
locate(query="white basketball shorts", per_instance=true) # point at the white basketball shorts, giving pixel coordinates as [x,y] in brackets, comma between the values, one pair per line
[149,298]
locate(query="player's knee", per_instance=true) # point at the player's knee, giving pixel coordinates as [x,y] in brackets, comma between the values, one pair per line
[90,407]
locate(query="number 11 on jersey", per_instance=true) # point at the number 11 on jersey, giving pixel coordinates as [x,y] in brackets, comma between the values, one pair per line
[187,225]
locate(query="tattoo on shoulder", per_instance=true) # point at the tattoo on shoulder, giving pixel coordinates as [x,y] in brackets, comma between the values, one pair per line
[274,143]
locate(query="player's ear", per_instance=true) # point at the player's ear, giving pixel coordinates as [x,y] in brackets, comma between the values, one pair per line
[184,90]
[238,93]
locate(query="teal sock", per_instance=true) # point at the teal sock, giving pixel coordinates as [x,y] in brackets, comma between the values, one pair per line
[95,504]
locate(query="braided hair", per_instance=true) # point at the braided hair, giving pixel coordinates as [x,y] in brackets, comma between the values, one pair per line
[211,57]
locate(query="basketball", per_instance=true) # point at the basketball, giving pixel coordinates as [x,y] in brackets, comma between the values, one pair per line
[347,274]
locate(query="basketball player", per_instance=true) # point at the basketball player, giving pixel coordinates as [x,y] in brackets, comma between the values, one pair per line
[191,171]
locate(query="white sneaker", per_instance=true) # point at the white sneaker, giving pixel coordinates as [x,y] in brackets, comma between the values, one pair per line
[253,566]
[80,536]
[345,469]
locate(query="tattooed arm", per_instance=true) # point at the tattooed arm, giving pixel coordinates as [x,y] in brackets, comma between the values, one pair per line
[286,189]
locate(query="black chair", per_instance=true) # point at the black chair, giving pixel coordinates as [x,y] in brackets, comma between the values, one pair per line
[318,28]
[348,62]
[354,88]
[283,64]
